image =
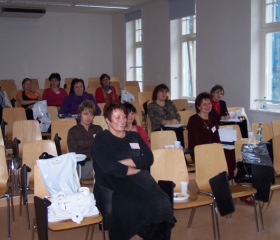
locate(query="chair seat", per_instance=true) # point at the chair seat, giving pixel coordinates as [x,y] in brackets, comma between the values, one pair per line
[242,191]
[276,185]
[86,181]
[69,224]
[195,200]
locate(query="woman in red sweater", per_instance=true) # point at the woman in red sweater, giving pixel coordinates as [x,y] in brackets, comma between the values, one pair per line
[105,93]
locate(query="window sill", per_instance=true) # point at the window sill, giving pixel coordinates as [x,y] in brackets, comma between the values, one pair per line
[268,111]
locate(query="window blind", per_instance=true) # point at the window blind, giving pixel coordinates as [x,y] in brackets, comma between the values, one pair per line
[181,8]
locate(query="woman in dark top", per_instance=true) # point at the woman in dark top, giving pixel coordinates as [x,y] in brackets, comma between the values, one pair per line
[81,137]
[120,160]
[219,107]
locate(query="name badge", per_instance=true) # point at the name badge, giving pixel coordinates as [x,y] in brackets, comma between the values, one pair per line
[94,135]
[134,146]
[213,129]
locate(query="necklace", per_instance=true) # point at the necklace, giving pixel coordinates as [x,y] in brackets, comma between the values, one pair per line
[206,124]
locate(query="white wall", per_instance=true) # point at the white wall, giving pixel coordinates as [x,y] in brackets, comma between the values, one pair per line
[75,45]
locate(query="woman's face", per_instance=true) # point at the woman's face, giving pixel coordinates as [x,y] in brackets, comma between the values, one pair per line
[54,83]
[86,117]
[27,85]
[217,95]
[131,117]
[162,95]
[78,89]
[105,81]
[205,106]
[118,121]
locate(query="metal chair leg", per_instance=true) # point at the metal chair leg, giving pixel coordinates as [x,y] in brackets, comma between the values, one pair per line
[213,220]
[9,218]
[34,229]
[92,231]
[217,220]
[270,197]
[191,218]
[261,216]
[256,214]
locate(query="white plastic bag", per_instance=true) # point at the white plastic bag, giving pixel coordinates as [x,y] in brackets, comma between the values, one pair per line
[59,173]
[127,96]
[76,206]
[240,113]
[40,112]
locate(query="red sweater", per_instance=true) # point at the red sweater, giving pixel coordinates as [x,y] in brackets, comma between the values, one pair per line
[100,98]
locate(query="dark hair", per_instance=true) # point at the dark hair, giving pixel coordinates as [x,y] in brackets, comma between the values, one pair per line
[199,98]
[55,75]
[103,76]
[25,80]
[130,108]
[87,104]
[75,81]
[216,87]
[158,88]
[111,106]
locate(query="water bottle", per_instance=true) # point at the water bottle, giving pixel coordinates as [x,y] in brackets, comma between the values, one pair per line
[264,104]
[259,132]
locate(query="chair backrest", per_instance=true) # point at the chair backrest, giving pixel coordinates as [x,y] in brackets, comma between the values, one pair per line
[138,113]
[10,115]
[93,79]
[233,109]
[209,161]
[169,164]
[134,90]
[276,153]
[52,110]
[13,95]
[134,84]
[61,127]
[101,106]
[144,97]
[1,138]
[115,79]
[185,115]
[117,86]
[91,90]
[40,91]
[148,88]
[266,132]
[26,130]
[3,170]
[35,83]
[181,104]
[234,127]
[100,120]
[161,138]
[47,83]
[31,152]
[8,86]
[94,85]
[238,146]
[276,127]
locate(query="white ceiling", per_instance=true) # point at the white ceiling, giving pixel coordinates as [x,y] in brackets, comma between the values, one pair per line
[49,8]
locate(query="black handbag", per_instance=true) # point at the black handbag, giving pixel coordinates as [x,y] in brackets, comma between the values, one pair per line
[244,172]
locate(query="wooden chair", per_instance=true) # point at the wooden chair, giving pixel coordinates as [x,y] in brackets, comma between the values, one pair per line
[169,164]
[139,113]
[53,112]
[10,115]
[94,85]
[148,88]
[161,138]
[47,83]
[13,95]
[234,127]
[185,115]
[117,86]
[35,83]
[91,90]
[5,189]
[26,130]
[144,97]
[61,127]
[8,85]
[40,192]
[276,127]
[115,79]
[93,79]
[68,81]
[134,84]
[238,147]
[181,104]
[101,106]
[100,120]
[266,132]
[40,91]
[210,161]
[134,90]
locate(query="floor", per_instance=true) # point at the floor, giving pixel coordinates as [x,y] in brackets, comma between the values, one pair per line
[240,226]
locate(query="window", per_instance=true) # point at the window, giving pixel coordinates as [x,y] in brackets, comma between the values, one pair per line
[271,35]
[134,51]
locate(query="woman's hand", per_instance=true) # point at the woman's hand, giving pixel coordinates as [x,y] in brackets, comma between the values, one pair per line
[227,117]
[132,171]
[127,162]
[171,122]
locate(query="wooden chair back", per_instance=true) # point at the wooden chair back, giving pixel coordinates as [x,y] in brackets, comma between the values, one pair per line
[31,152]
[117,86]
[47,83]
[181,104]
[144,97]
[40,91]
[10,115]
[276,127]
[61,127]
[91,90]
[161,138]
[148,88]
[209,161]
[266,132]
[2,143]
[101,106]
[139,113]
[169,164]
[93,79]
[8,86]
[276,154]
[100,120]
[185,115]
[35,83]
[233,109]
[134,90]
[115,79]
[238,147]
[68,81]
[94,85]
[53,112]
[25,131]
[134,84]
[3,171]
[234,127]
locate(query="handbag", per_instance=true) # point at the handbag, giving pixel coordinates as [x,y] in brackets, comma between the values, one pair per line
[244,172]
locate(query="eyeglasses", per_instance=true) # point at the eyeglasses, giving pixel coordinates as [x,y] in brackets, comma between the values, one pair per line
[164,91]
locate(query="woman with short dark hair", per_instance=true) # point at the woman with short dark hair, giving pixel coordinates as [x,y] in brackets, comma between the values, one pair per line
[106,93]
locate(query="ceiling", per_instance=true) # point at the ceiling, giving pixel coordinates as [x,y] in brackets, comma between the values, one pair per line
[50,6]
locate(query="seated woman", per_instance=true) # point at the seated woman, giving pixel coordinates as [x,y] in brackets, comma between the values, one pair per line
[54,94]
[120,160]
[106,93]
[81,137]
[219,107]
[131,124]
[203,129]
[162,111]
[27,98]
[77,94]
